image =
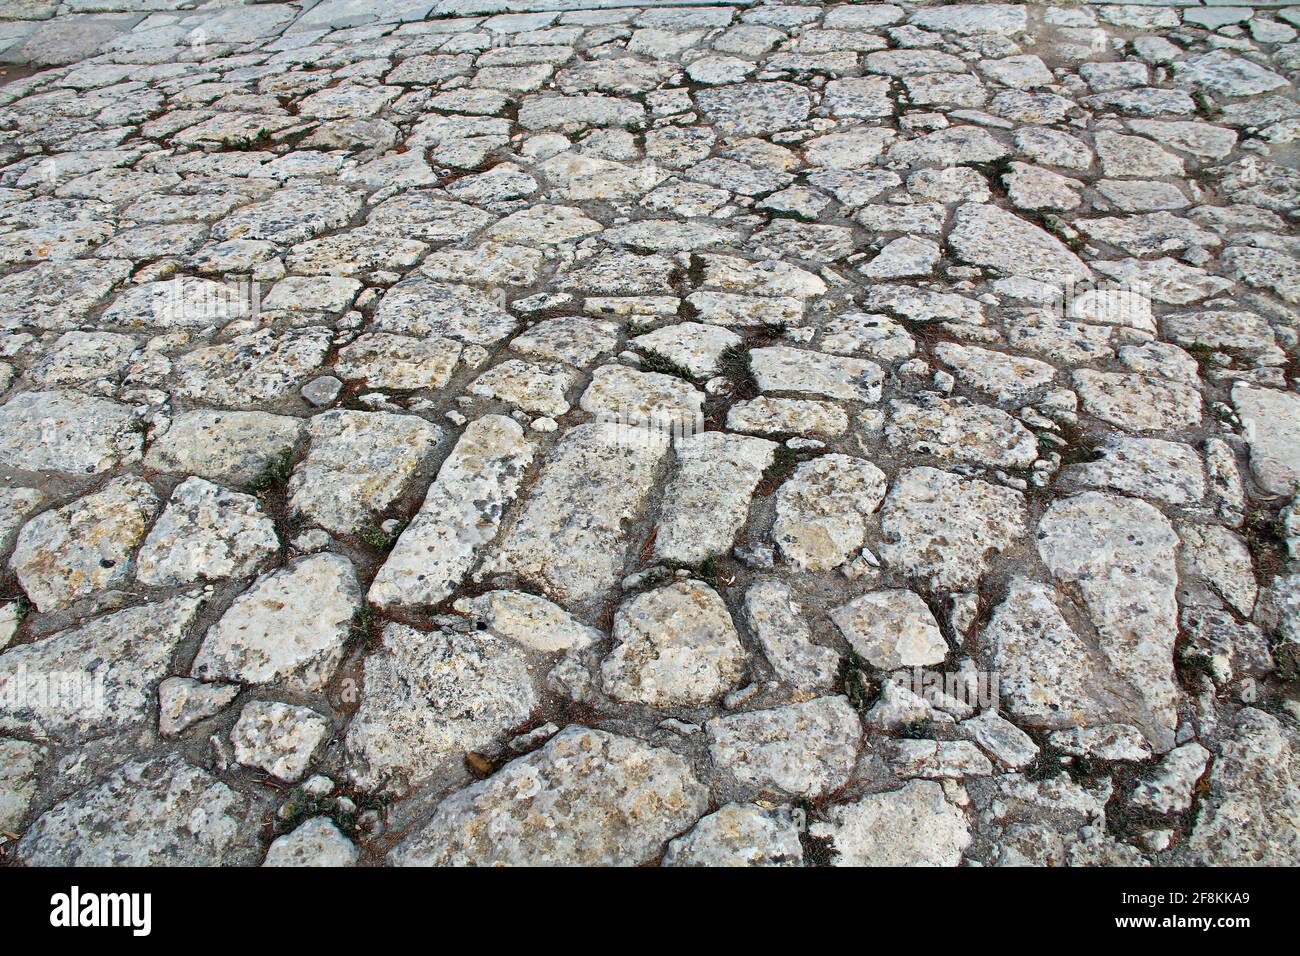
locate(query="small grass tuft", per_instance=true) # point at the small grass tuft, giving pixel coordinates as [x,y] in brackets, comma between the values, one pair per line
[922,729]
[817,851]
[782,467]
[275,473]
[652,361]
[856,682]
[733,363]
[243,144]
[377,537]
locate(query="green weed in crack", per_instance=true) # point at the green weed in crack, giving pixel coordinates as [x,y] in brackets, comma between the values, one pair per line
[381,540]
[274,473]
[733,364]
[817,851]
[856,682]
[784,462]
[244,144]
[653,361]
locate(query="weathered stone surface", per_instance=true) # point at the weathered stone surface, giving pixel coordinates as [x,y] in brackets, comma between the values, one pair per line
[938,759]
[947,529]
[460,516]
[289,627]
[781,416]
[575,341]
[780,626]
[357,464]
[251,369]
[206,533]
[537,389]
[383,360]
[1048,676]
[422,308]
[158,812]
[586,798]
[782,369]
[821,511]
[72,552]
[183,702]
[644,299]
[989,236]
[278,738]
[571,537]
[223,446]
[291,215]
[891,629]
[1148,467]
[674,646]
[801,750]
[20,766]
[431,697]
[95,679]
[1221,72]
[1248,816]
[956,430]
[709,494]
[317,842]
[529,620]
[1119,555]
[619,393]
[749,108]
[64,431]
[1007,378]
[1169,790]
[692,345]
[1271,424]
[914,826]
[739,835]
[1138,402]
[1002,740]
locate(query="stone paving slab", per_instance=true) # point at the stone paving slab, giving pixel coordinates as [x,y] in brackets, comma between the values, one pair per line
[539,432]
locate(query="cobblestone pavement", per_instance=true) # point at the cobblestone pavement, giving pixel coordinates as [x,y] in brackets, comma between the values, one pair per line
[754,434]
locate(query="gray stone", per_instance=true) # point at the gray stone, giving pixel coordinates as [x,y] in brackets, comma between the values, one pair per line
[357,465]
[530,621]
[739,835]
[289,627]
[20,766]
[183,702]
[64,431]
[822,510]
[891,629]
[914,826]
[153,812]
[317,842]
[206,533]
[707,501]
[1271,423]
[1248,815]
[224,446]
[585,798]
[1119,555]
[800,750]
[72,552]
[571,537]
[460,517]
[278,738]
[674,646]
[782,630]
[431,697]
[947,529]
